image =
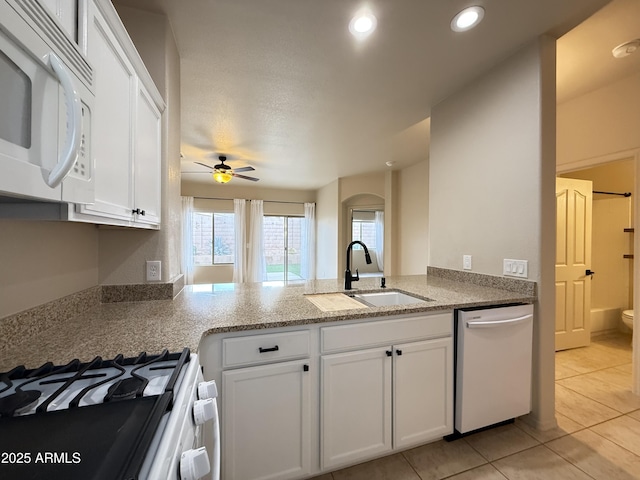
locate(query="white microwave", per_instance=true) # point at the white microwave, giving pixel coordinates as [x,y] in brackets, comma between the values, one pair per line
[45,108]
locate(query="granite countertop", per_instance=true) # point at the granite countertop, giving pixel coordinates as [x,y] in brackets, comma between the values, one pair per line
[132,327]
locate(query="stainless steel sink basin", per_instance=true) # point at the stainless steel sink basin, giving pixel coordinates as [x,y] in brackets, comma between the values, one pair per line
[387,299]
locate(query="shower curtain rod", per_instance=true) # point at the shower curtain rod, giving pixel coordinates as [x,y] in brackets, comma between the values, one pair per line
[625,194]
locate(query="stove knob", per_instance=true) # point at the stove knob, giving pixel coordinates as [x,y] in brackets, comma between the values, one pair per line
[194,464]
[207,390]
[203,410]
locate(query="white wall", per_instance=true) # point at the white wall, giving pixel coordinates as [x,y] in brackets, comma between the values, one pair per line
[491,184]
[600,123]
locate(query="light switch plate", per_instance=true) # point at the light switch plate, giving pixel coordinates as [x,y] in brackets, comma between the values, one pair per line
[515,268]
[466,262]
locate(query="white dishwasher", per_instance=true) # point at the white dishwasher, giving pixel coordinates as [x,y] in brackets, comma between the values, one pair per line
[493,365]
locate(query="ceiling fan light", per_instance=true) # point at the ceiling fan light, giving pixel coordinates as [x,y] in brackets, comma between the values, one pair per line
[221,177]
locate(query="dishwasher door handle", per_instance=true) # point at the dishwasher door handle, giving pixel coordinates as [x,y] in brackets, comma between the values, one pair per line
[498,323]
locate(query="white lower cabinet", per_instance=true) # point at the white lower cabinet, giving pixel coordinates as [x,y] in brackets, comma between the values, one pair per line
[380,399]
[300,401]
[356,406]
[266,420]
[423,389]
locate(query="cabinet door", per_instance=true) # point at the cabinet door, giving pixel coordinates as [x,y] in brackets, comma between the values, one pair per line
[356,406]
[112,117]
[266,422]
[147,159]
[423,387]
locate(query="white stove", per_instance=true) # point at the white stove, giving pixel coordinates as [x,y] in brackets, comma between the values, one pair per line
[133,418]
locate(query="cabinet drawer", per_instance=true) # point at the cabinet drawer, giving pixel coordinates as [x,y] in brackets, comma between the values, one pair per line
[385,332]
[266,348]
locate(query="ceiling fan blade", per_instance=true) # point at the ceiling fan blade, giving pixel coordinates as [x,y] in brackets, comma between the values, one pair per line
[253,179]
[243,169]
[204,165]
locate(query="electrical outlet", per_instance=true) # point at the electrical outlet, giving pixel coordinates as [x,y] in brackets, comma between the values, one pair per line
[466,262]
[154,270]
[515,268]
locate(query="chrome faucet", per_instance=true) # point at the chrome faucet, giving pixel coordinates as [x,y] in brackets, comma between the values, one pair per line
[348,278]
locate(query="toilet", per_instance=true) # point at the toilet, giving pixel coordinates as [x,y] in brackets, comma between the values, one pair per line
[627,318]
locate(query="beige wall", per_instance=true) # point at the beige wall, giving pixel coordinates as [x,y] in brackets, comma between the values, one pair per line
[231,191]
[492,169]
[600,123]
[327,231]
[371,184]
[123,253]
[412,220]
[43,261]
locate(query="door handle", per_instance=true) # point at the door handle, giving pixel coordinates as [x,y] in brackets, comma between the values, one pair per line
[589,273]
[498,323]
[74,123]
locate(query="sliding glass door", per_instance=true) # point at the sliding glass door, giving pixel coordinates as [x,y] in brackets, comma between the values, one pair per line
[283,247]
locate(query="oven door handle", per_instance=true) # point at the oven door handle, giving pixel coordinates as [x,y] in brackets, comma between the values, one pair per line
[74,123]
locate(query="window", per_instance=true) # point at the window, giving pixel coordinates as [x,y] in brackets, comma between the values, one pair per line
[363,228]
[283,247]
[213,238]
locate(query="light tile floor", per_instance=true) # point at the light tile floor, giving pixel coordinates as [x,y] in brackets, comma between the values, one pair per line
[598,433]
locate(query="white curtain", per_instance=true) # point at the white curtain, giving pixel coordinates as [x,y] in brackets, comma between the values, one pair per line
[256,267]
[308,260]
[240,224]
[379,224]
[187,263]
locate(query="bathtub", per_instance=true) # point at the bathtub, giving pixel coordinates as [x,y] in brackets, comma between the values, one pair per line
[605,319]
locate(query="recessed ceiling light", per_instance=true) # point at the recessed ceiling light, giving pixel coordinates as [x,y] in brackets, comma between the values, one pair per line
[363,24]
[467,19]
[626,49]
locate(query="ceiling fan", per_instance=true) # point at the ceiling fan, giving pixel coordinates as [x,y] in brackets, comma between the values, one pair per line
[223,173]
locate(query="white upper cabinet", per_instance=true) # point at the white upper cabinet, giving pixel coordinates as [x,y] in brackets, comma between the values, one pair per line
[127,132]
[113,117]
[147,154]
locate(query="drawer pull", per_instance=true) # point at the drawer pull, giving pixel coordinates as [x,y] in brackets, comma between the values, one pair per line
[399,352]
[272,349]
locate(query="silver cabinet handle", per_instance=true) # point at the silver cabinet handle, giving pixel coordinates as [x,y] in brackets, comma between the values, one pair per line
[498,323]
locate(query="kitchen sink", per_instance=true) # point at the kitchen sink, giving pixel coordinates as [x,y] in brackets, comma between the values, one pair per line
[386,299]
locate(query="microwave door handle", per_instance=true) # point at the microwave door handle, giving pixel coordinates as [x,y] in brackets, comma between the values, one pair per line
[74,123]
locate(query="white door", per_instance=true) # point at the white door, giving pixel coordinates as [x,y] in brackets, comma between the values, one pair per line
[573,262]
[423,388]
[356,406]
[266,422]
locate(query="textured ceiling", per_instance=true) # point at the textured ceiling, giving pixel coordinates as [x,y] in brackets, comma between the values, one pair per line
[281,84]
